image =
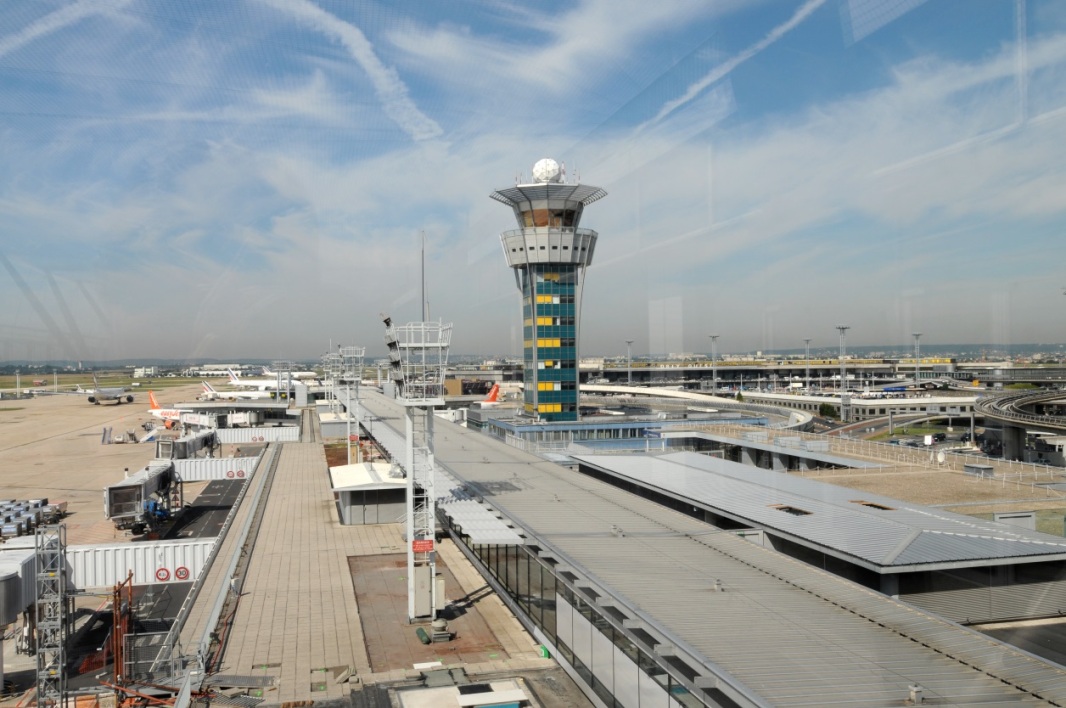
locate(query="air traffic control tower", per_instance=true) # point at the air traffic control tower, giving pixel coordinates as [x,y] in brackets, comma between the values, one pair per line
[549,254]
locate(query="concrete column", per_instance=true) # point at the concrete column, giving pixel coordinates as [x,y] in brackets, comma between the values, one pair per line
[1013,442]
[890,584]
[779,461]
[747,456]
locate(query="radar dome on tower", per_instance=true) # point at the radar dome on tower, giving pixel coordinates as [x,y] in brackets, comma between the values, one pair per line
[547,170]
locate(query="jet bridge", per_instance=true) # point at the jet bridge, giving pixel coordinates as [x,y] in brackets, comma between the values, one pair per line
[185,447]
[146,498]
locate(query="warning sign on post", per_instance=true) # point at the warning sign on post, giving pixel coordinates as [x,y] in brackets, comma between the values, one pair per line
[422,545]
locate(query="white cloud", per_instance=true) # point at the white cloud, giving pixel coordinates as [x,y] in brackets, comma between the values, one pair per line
[834,212]
[390,89]
[548,53]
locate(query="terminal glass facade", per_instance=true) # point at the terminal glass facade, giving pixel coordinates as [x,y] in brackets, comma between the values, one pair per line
[620,671]
[549,314]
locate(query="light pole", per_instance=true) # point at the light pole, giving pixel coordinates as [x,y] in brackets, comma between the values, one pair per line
[807,373]
[714,363]
[629,361]
[917,361]
[843,351]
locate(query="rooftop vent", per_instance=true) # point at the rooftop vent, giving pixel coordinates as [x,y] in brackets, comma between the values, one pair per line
[794,510]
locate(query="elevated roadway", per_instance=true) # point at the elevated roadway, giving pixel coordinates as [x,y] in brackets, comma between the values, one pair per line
[1015,412]
[783,417]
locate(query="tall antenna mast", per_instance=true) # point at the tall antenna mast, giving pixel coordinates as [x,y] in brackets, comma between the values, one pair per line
[423,275]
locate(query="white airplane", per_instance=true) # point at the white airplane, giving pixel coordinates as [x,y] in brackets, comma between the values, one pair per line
[210,394]
[295,374]
[117,394]
[170,416]
[259,384]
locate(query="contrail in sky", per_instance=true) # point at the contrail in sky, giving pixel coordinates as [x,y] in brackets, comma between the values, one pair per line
[55,21]
[722,70]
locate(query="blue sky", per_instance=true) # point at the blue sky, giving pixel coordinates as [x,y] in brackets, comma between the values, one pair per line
[251,179]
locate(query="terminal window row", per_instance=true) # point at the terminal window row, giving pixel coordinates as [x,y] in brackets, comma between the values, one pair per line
[581,633]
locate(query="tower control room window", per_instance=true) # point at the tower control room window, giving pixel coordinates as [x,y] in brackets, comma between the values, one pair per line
[554,218]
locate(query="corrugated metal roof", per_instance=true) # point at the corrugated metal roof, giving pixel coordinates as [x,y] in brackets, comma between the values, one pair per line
[883,532]
[474,518]
[780,632]
[800,448]
[362,476]
[477,521]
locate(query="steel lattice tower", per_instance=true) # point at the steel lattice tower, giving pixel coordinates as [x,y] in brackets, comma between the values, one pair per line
[418,355]
[333,364]
[50,547]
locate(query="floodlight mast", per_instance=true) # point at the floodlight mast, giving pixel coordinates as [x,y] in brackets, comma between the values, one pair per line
[917,358]
[418,356]
[714,363]
[807,368]
[845,397]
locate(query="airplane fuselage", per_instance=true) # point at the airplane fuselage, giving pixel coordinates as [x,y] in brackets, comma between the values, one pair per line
[118,398]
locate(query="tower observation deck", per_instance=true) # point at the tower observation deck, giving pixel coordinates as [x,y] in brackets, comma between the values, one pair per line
[549,254]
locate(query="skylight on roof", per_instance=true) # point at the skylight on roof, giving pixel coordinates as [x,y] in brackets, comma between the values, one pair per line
[872,505]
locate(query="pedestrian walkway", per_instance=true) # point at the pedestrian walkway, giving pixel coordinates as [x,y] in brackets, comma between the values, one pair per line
[217,578]
[298,620]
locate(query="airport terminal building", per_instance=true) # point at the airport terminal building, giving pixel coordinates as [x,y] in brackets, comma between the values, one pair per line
[650,604]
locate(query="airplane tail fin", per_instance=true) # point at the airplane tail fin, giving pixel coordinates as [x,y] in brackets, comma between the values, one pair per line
[494,394]
[152,403]
[208,388]
[96,383]
[233,378]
